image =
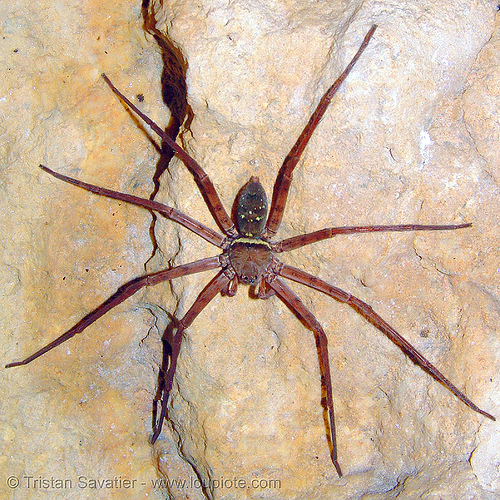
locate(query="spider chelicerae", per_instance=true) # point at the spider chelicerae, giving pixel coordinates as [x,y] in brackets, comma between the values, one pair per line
[249,257]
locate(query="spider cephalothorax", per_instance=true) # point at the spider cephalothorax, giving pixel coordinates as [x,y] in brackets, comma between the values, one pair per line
[249,257]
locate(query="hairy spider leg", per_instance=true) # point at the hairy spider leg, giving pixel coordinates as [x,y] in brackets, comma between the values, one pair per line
[368,313]
[205,185]
[170,213]
[284,179]
[306,239]
[215,286]
[295,304]
[124,292]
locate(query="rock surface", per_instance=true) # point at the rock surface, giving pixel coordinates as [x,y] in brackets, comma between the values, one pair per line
[412,136]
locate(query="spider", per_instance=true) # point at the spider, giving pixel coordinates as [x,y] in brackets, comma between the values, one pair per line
[249,257]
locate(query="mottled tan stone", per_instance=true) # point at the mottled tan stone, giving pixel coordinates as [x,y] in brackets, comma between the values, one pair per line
[412,136]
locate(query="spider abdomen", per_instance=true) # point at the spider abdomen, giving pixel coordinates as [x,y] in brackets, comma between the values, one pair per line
[251,210]
[250,258]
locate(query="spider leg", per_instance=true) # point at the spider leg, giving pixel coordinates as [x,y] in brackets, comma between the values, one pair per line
[205,185]
[170,213]
[124,292]
[284,179]
[295,304]
[365,310]
[217,284]
[329,232]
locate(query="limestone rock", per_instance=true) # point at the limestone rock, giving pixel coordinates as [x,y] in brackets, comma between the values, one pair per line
[410,137]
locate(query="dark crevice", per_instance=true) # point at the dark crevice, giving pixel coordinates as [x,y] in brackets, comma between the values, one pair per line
[174,93]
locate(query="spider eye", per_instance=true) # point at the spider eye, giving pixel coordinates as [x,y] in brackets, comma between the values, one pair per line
[248,280]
